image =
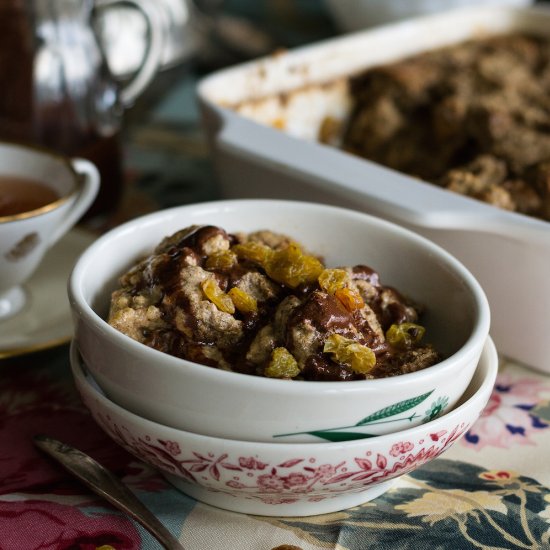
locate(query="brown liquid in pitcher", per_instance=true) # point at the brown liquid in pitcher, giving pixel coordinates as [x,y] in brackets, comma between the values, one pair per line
[18,195]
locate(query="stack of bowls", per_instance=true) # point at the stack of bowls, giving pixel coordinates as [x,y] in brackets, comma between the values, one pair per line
[278,447]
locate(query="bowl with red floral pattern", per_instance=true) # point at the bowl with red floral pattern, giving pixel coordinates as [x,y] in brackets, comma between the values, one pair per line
[285,479]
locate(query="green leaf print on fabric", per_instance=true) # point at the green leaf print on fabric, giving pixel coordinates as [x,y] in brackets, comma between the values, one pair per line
[442,501]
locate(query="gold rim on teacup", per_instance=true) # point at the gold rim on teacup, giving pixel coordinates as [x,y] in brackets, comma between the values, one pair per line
[52,205]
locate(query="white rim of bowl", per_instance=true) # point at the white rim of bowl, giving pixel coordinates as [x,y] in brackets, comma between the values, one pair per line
[488,356]
[480,329]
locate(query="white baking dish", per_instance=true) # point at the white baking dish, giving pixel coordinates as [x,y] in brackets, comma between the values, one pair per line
[509,253]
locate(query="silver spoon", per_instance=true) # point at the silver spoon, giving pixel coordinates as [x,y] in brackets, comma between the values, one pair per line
[104,483]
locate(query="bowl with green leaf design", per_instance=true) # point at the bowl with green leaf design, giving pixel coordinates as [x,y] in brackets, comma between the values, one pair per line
[419,317]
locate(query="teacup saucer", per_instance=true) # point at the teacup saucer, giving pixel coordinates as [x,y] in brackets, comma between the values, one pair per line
[45,321]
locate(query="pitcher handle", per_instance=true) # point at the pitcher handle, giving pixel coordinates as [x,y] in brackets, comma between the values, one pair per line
[154,50]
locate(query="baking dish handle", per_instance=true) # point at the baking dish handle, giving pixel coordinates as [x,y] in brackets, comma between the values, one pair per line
[371,187]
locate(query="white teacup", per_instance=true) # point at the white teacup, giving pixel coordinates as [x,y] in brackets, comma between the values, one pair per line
[42,196]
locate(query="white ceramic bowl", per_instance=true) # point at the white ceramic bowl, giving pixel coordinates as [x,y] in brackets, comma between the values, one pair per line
[219,403]
[293,479]
[246,106]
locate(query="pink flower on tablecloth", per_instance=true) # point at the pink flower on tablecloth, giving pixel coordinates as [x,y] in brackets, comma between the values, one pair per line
[23,466]
[31,404]
[509,417]
[58,526]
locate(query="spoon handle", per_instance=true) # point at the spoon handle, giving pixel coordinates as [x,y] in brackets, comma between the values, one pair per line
[107,485]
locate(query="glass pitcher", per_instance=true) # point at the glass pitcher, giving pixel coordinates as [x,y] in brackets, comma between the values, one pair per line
[56,88]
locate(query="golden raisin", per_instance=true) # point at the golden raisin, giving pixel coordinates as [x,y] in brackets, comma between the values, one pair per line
[243,301]
[359,358]
[254,252]
[405,335]
[279,123]
[221,260]
[282,365]
[216,295]
[349,298]
[291,267]
[332,280]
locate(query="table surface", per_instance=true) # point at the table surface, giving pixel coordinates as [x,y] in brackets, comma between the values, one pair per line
[490,490]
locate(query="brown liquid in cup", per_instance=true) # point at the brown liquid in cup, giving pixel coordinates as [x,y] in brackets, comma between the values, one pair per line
[18,195]
[67,123]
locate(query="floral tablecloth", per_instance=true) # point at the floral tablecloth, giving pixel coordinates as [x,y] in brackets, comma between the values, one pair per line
[490,490]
